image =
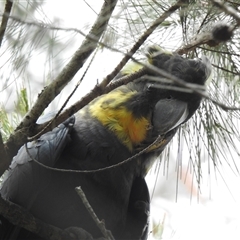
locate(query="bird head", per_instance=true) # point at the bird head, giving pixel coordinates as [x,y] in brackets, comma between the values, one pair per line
[155,104]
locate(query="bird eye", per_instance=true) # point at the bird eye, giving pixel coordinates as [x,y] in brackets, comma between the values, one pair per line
[169,97]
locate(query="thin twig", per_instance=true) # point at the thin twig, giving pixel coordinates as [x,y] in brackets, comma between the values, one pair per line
[182,83]
[3,154]
[186,85]
[100,224]
[155,144]
[125,80]
[220,52]
[225,69]
[201,39]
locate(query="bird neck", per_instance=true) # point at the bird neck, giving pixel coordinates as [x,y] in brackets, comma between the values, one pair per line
[112,112]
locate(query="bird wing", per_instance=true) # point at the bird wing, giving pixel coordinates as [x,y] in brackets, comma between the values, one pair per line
[25,172]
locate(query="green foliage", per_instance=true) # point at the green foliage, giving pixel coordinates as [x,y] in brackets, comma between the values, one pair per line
[22,106]
[8,122]
[5,124]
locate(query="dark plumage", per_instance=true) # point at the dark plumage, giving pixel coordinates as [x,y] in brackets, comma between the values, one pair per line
[111,129]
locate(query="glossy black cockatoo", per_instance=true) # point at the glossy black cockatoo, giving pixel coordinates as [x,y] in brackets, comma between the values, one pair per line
[112,128]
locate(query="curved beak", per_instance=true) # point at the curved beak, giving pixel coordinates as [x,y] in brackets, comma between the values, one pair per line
[169,114]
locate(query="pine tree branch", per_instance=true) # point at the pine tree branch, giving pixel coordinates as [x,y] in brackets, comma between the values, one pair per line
[23,219]
[53,89]
[209,37]
[3,154]
[7,11]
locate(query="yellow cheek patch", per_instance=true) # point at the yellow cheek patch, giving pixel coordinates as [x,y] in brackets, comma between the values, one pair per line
[112,113]
[134,128]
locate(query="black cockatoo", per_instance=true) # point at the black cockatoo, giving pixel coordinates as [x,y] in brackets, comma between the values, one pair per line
[112,128]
